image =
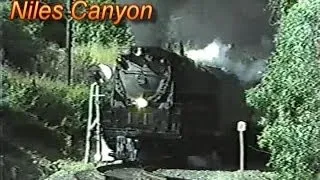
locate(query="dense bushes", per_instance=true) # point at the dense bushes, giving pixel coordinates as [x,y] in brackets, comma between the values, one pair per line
[279,8]
[34,81]
[88,54]
[34,95]
[98,42]
[19,39]
[288,97]
[55,104]
[102,31]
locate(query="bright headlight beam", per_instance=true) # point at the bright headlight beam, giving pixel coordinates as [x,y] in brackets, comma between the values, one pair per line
[106,70]
[141,102]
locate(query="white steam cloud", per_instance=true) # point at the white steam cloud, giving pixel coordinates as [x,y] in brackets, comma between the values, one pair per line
[220,55]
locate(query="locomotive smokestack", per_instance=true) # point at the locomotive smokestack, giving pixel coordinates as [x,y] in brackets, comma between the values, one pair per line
[181,48]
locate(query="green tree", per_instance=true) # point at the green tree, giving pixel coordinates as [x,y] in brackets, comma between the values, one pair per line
[279,8]
[35,42]
[288,97]
[20,40]
[98,41]
[104,32]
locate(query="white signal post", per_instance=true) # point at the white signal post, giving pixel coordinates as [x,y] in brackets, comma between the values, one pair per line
[241,127]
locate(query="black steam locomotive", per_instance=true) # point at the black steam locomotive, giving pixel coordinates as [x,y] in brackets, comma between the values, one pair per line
[164,101]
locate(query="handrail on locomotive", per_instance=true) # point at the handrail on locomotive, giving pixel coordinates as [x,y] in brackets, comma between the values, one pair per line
[93,123]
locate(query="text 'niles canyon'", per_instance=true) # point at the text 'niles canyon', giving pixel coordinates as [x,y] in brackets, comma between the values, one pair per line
[81,10]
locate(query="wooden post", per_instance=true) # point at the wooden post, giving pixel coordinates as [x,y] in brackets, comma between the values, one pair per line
[69,41]
[241,127]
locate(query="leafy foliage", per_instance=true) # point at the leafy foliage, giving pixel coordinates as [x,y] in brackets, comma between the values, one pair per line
[30,41]
[55,104]
[33,84]
[102,32]
[87,55]
[3,93]
[51,61]
[69,165]
[23,39]
[60,168]
[288,97]
[279,8]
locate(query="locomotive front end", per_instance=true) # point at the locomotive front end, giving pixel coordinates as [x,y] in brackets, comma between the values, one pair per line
[142,99]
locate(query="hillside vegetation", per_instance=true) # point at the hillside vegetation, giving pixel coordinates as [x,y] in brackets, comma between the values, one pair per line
[44,119]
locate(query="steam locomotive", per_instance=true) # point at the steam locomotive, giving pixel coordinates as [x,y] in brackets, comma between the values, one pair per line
[164,102]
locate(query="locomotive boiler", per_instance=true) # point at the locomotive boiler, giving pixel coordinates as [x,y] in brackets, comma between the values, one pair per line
[164,101]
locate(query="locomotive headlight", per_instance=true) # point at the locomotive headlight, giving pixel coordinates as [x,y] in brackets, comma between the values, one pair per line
[106,70]
[141,102]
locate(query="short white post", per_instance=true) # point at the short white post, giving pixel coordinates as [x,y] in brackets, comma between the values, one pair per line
[241,127]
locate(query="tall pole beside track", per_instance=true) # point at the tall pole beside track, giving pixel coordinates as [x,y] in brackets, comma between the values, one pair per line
[69,41]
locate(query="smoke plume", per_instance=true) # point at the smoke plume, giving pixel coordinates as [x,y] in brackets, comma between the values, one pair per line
[243,23]
[220,55]
[153,33]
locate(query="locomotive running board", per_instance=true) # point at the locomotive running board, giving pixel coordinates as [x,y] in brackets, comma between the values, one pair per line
[102,150]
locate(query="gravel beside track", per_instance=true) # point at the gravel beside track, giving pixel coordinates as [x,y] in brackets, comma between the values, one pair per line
[138,174]
[121,172]
[179,174]
[216,175]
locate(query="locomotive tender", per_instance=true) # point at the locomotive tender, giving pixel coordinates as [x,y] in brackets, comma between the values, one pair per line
[165,101]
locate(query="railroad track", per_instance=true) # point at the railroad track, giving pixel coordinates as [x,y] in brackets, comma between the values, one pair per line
[151,175]
[142,173]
